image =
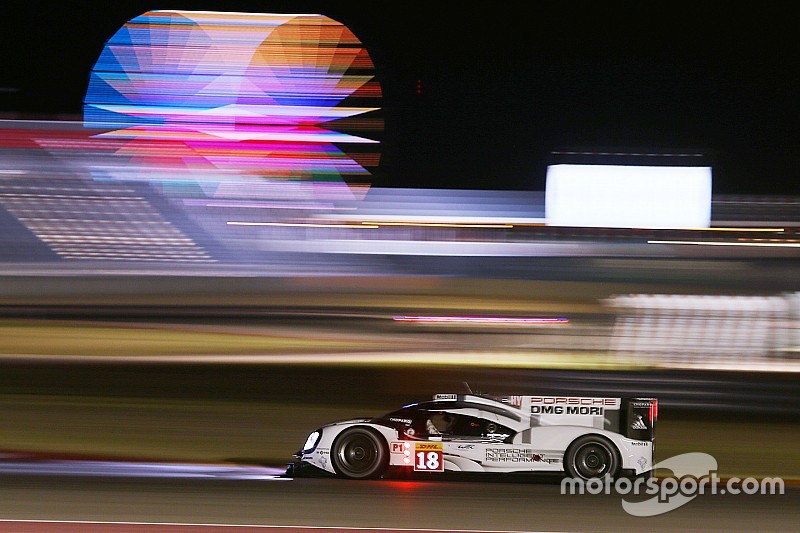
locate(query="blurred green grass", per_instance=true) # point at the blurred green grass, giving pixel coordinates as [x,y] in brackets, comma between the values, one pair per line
[95,338]
[46,337]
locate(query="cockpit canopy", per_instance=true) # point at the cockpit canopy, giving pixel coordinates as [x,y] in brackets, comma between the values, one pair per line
[451,420]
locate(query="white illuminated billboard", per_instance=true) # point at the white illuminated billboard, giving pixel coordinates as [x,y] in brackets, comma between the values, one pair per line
[620,196]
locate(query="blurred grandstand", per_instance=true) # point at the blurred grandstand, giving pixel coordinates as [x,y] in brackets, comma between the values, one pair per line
[56,209]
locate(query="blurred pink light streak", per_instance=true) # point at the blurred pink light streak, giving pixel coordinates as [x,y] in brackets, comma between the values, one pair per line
[481,320]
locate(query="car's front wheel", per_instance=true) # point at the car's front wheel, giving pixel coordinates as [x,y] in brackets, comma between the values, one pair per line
[590,457]
[360,453]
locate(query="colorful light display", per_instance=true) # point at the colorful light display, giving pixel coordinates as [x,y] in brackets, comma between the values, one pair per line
[204,96]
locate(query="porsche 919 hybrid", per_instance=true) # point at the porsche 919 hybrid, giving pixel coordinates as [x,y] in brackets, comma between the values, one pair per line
[578,436]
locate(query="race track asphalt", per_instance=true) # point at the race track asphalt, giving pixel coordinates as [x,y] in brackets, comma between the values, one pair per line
[476,505]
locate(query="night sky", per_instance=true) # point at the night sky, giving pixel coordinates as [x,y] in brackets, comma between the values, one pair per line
[500,89]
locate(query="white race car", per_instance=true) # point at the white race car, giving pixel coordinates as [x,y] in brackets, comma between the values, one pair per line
[582,437]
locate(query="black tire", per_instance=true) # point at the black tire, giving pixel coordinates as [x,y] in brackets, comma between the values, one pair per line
[360,453]
[592,456]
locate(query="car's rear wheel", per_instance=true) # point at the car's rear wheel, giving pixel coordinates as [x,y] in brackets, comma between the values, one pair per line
[360,453]
[590,457]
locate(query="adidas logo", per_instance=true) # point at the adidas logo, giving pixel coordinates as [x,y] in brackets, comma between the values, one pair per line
[639,424]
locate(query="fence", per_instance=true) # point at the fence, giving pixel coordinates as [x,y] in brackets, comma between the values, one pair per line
[704,328]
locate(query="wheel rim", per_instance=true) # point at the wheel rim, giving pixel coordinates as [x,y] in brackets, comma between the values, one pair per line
[357,454]
[592,460]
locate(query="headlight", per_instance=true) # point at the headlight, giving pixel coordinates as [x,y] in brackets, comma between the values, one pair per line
[311,441]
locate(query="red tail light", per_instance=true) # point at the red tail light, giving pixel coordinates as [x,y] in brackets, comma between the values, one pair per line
[653,412]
